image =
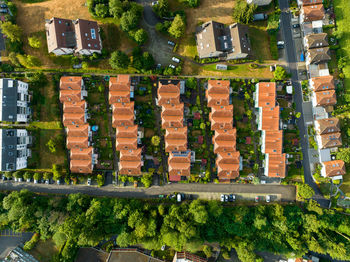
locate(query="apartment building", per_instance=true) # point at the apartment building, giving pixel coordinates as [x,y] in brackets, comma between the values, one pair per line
[78,131]
[15,101]
[14,144]
[228,160]
[123,120]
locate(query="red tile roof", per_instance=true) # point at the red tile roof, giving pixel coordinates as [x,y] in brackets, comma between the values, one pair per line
[221,117]
[270,119]
[71,83]
[179,165]
[322,83]
[175,139]
[81,153]
[78,130]
[218,92]
[130,162]
[228,165]
[77,142]
[277,165]
[334,168]
[172,115]
[81,166]
[126,137]
[168,93]
[326,98]
[273,142]
[70,96]
[73,119]
[224,140]
[74,107]
[313,12]
[123,114]
[266,94]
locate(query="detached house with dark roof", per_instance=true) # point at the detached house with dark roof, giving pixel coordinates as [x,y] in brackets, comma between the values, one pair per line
[318,56]
[15,101]
[218,40]
[14,145]
[66,36]
[315,41]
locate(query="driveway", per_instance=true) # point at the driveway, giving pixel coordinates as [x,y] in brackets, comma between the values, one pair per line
[292,64]
[287,193]
[9,240]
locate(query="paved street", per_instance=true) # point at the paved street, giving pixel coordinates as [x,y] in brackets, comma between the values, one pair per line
[287,193]
[292,64]
[10,239]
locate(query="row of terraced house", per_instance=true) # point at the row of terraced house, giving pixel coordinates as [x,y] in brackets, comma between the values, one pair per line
[78,131]
[322,84]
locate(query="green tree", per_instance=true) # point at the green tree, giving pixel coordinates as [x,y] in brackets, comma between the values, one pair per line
[155,140]
[141,36]
[344,154]
[12,31]
[199,212]
[27,175]
[177,28]
[207,251]
[297,114]
[119,60]
[51,145]
[147,61]
[243,12]
[47,176]
[280,73]
[13,59]
[37,176]
[193,3]
[305,191]
[28,61]
[124,239]
[100,180]
[147,179]
[34,42]
[115,8]
[129,20]
[56,172]
[162,8]
[101,10]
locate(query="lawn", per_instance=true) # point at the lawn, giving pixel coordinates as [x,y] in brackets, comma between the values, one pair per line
[241,70]
[188,47]
[345,187]
[342,12]
[42,158]
[238,106]
[44,250]
[259,39]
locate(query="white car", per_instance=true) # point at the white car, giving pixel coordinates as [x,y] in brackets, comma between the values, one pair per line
[222,198]
[179,198]
[47,182]
[155,3]
[172,66]
[89,182]
[268,199]
[175,59]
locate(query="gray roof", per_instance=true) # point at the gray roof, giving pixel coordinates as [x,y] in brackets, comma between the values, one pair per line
[8,97]
[319,55]
[317,40]
[8,149]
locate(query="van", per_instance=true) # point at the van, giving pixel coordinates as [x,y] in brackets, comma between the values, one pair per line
[178,197]
[259,17]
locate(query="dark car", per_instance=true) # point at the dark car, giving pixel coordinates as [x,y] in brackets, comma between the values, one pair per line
[232,197]
[171,43]
[296,25]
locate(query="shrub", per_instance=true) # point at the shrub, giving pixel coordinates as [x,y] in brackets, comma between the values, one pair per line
[27,175]
[119,60]
[100,180]
[147,179]
[32,242]
[177,28]
[305,191]
[51,145]
[101,10]
[34,42]
[37,176]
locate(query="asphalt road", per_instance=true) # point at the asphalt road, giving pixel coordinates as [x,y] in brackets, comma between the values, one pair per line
[9,240]
[298,99]
[287,193]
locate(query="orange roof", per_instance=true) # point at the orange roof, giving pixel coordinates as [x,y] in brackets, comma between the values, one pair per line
[331,140]
[77,142]
[73,119]
[176,139]
[218,92]
[266,94]
[74,107]
[270,118]
[228,165]
[81,153]
[78,130]
[119,97]
[224,140]
[327,125]
[81,166]
[130,162]
[123,114]
[168,93]
[179,164]
[334,168]
[221,117]
[322,83]
[126,137]
[326,98]
[120,83]
[71,83]
[70,96]
[276,165]
[313,12]
[273,142]
[312,2]
[172,115]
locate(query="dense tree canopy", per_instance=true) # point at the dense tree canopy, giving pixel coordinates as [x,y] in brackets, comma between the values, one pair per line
[79,220]
[243,12]
[177,28]
[12,31]
[119,60]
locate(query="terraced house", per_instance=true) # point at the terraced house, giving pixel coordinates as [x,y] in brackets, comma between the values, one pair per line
[123,118]
[228,161]
[172,115]
[268,119]
[78,131]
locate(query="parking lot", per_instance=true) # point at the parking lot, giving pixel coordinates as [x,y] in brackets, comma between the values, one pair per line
[10,239]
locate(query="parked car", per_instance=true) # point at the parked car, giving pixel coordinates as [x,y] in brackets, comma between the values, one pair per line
[175,59]
[36,181]
[47,182]
[159,66]
[256,199]
[2,10]
[296,25]
[259,17]
[89,182]
[155,3]
[3,5]
[268,199]
[280,44]
[232,197]
[172,66]
[171,43]
[226,198]
[222,198]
